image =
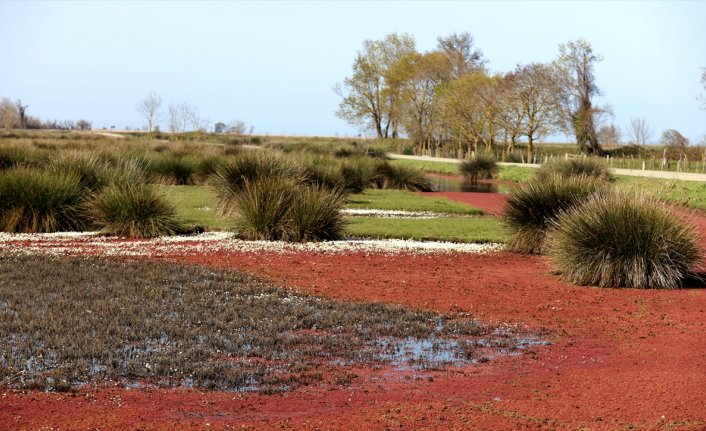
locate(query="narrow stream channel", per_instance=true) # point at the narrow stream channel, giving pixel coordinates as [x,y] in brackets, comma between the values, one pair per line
[458,184]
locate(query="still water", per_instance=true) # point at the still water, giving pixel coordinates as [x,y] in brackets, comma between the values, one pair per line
[458,184]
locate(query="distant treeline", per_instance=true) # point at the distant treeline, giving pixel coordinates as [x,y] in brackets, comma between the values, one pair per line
[447,102]
[13,115]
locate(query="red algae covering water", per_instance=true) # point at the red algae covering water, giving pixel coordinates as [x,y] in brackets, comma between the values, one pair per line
[619,359]
[490,203]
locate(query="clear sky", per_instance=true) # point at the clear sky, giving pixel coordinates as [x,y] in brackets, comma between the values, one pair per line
[273,64]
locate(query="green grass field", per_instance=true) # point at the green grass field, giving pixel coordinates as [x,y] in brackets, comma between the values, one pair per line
[407,201]
[691,194]
[433,167]
[456,229]
[195,204]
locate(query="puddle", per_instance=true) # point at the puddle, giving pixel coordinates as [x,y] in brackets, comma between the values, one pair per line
[459,184]
[432,353]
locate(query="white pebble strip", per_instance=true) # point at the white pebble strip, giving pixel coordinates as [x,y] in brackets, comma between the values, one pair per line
[391,213]
[73,243]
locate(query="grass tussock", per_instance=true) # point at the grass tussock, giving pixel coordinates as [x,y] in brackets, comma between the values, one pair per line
[37,201]
[356,174]
[480,167]
[250,166]
[261,208]
[93,171]
[132,210]
[402,177]
[316,214]
[530,209]
[174,170]
[17,155]
[323,171]
[619,239]
[279,209]
[67,322]
[589,167]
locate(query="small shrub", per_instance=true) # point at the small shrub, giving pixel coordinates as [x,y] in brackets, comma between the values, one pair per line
[261,208]
[480,167]
[589,167]
[529,210]
[622,240]
[316,215]
[133,210]
[387,176]
[36,201]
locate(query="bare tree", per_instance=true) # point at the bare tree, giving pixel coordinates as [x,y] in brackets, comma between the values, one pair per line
[149,108]
[639,131]
[84,125]
[610,134]
[67,125]
[672,138]
[177,117]
[8,114]
[183,116]
[22,113]
[576,62]
[702,97]
[237,127]
[194,119]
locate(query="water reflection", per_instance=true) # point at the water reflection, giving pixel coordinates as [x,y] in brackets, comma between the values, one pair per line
[459,184]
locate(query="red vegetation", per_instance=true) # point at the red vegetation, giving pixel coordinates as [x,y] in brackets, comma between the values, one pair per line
[619,359]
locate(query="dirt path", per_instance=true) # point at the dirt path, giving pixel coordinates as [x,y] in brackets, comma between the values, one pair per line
[684,176]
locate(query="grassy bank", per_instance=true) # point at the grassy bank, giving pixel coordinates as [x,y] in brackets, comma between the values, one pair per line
[407,201]
[456,229]
[196,205]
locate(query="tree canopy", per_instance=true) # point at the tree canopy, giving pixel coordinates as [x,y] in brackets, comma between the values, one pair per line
[446,97]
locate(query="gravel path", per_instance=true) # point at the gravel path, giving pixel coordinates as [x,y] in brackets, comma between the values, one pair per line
[684,176]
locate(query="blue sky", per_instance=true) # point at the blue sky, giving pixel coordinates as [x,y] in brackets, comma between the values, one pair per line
[273,64]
